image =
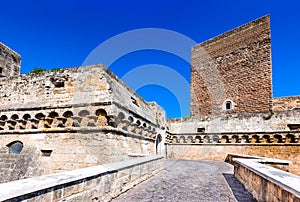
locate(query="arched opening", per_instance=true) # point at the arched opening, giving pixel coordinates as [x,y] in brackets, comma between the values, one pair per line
[3,118]
[68,114]
[102,118]
[245,139]
[181,139]
[14,117]
[215,139]
[197,139]
[101,112]
[224,139]
[15,147]
[84,113]
[26,117]
[189,139]
[40,116]
[277,139]
[69,122]
[235,139]
[265,139]
[206,139]
[158,144]
[227,105]
[255,139]
[175,139]
[290,138]
[12,123]
[121,116]
[130,119]
[24,120]
[53,114]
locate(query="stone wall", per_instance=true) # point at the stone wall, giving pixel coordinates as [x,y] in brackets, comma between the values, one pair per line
[53,152]
[219,152]
[237,123]
[75,86]
[10,62]
[266,183]
[235,69]
[73,118]
[286,103]
[99,183]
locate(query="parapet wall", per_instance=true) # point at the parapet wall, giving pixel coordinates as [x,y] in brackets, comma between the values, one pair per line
[286,103]
[99,183]
[266,183]
[219,152]
[237,123]
[272,135]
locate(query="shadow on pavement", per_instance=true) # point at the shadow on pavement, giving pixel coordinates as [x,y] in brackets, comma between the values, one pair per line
[238,190]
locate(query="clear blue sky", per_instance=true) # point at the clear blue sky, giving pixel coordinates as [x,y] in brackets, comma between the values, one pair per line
[61,33]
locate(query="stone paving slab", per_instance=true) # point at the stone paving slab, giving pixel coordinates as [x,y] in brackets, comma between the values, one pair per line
[191,181]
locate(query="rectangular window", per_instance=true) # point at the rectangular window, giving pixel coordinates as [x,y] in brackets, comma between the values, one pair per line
[200,130]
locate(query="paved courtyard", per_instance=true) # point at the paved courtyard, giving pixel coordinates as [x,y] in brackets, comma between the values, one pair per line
[189,181]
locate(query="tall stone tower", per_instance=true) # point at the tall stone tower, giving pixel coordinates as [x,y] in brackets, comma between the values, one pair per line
[232,73]
[10,62]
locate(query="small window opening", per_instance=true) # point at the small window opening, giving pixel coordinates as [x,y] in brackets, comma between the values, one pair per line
[1,70]
[46,152]
[134,101]
[200,130]
[228,105]
[15,147]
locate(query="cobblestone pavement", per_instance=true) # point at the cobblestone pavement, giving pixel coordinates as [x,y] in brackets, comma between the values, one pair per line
[189,181]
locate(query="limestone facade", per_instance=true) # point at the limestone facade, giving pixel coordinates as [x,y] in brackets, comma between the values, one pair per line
[73,118]
[237,123]
[10,62]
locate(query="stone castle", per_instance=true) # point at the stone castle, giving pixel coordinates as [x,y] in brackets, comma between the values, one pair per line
[69,119]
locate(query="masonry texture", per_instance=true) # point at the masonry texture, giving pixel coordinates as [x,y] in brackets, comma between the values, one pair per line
[73,118]
[286,103]
[220,152]
[97,183]
[235,67]
[266,183]
[68,119]
[9,62]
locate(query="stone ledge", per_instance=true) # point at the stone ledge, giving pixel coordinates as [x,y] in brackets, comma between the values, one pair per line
[82,130]
[232,157]
[20,188]
[136,155]
[285,181]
